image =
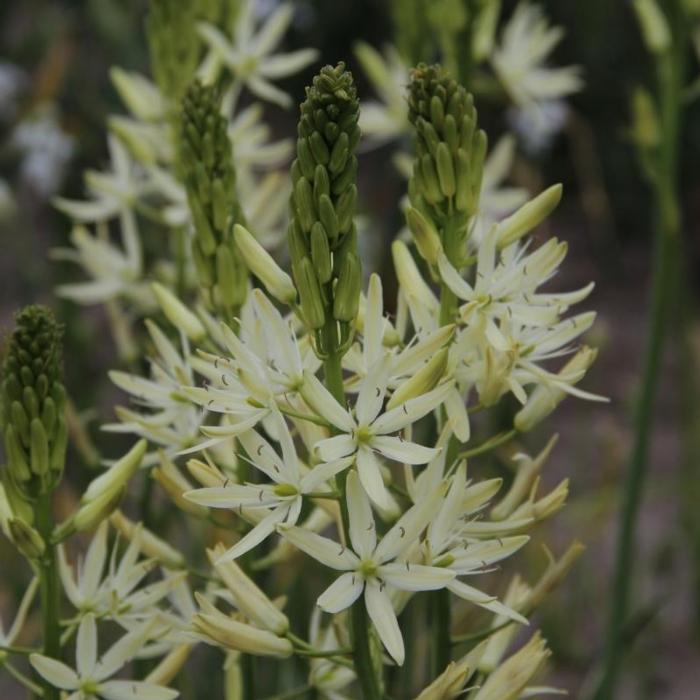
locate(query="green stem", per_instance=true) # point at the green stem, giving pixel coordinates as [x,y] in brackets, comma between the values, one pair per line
[441,622]
[49,590]
[670,77]
[362,654]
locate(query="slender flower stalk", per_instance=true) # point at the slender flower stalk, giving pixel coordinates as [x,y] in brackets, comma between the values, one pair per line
[666,39]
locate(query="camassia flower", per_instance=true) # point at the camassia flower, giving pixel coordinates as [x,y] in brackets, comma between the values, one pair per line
[369,431]
[90,679]
[249,53]
[173,421]
[371,566]
[283,498]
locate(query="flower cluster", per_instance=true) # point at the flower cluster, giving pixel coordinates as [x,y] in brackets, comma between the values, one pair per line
[308,435]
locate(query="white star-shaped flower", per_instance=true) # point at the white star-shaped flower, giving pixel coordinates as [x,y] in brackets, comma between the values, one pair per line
[370,566]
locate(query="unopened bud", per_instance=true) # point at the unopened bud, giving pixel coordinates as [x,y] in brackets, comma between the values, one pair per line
[178,314]
[426,236]
[277,282]
[530,215]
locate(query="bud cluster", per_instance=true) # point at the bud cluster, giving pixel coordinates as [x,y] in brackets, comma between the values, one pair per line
[450,149]
[322,234]
[32,404]
[210,180]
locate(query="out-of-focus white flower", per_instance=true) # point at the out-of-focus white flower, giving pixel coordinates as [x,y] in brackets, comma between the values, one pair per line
[496,200]
[12,79]
[249,53]
[173,421]
[282,499]
[519,59]
[113,192]
[387,118]
[538,124]
[90,679]
[371,566]
[45,147]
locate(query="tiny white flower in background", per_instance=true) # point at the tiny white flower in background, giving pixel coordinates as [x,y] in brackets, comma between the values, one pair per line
[9,638]
[12,80]
[519,59]
[538,124]
[282,499]
[249,54]
[370,566]
[173,421]
[384,119]
[90,679]
[45,147]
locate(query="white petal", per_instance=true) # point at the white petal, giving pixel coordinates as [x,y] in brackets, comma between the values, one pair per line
[267,91]
[411,411]
[372,340]
[457,415]
[86,646]
[273,29]
[415,577]
[232,496]
[263,456]
[284,64]
[370,473]
[262,530]
[342,593]
[335,447]
[446,517]
[323,472]
[405,531]
[485,601]
[372,391]
[453,279]
[403,451]
[328,552]
[91,572]
[363,534]
[135,690]
[123,651]
[382,614]
[55,672]
[323,402]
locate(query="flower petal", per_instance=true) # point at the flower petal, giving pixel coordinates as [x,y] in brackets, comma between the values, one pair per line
[370,473]
[329,553]
[86,646]
[335,447]
[262,530]
[403,451]
[483,600]
[135,690]
[323,402]
[382,614]
[342,593]
[323,472]
[363,531]
[415,577]
[55,672]
[411,411]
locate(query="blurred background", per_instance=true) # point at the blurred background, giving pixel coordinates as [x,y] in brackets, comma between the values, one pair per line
[55,95]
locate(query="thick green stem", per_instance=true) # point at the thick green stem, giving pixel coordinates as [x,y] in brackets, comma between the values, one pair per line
[362,653]
[666,240]
[441,623]
[49,590]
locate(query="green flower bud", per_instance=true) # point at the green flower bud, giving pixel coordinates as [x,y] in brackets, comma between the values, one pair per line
[450,152]
[209,176]
[322,239]
[26,538]
[32,400]
[173,43]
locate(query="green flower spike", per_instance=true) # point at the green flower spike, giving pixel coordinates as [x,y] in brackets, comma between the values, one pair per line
[322,235]
[450,152]
[210,179]
[32,402]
